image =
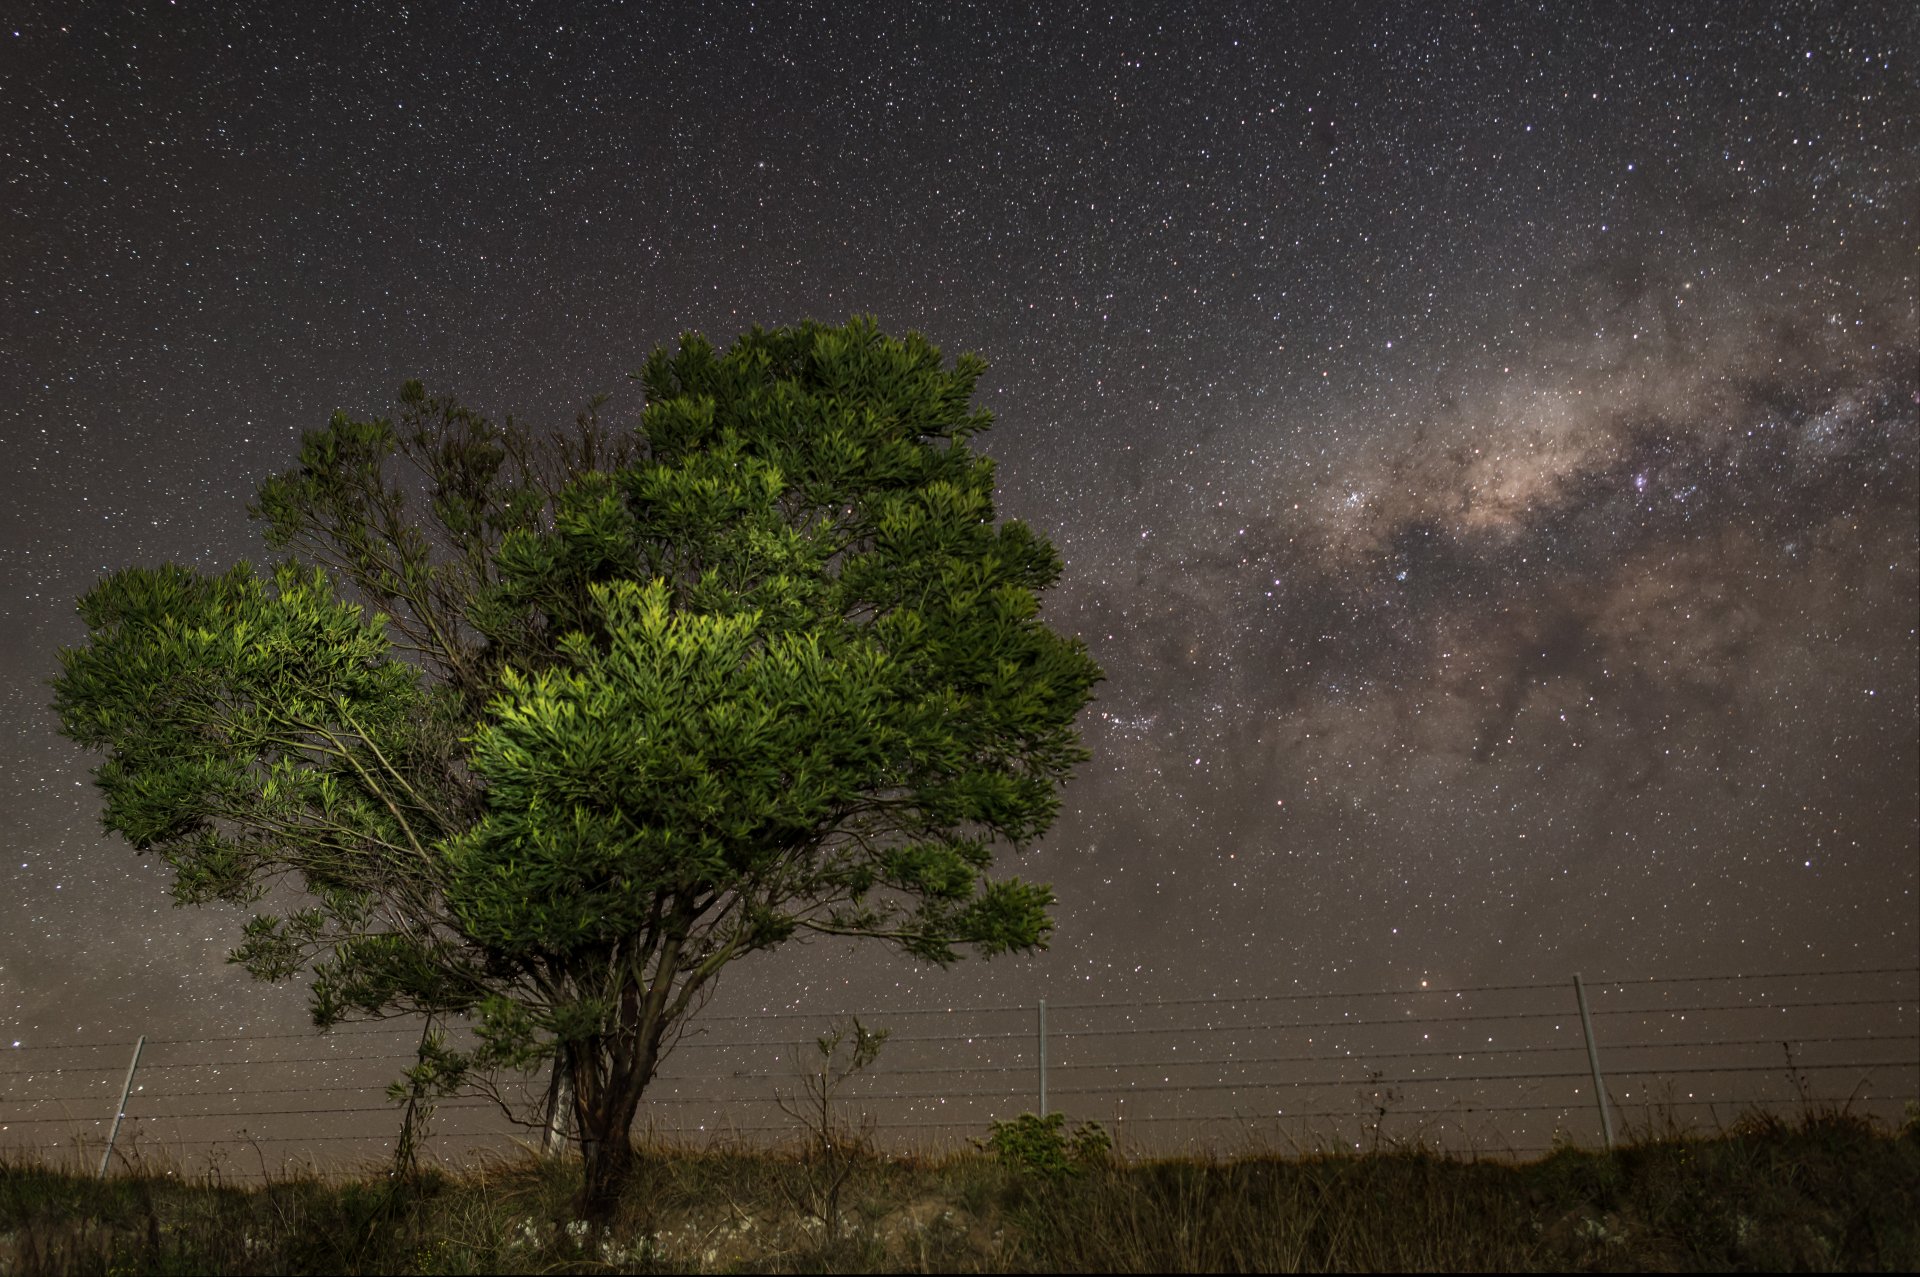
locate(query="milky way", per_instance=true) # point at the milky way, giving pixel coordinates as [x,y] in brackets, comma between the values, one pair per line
[1606,585]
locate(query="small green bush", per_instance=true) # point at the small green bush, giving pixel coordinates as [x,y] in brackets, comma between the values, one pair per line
[1035,1145]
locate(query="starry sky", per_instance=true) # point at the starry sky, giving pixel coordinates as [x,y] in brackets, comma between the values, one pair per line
[1482,440]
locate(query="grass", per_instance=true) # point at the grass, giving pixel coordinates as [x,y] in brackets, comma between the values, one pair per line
[1827,1191]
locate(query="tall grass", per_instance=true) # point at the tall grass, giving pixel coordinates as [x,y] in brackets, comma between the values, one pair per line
[1825,1191]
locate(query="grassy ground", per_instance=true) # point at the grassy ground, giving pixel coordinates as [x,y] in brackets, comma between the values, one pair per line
[1828,1192]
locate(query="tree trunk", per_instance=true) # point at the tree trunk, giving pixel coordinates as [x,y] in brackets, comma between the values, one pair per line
[604,1109]
[559,1108]
[605,1167]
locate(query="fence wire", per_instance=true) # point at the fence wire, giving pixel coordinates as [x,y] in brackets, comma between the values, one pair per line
[1489,1070]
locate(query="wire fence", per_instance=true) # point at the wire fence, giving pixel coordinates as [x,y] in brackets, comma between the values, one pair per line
[1489,1070]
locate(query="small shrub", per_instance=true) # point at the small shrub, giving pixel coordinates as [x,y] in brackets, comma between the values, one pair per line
[1042,1146]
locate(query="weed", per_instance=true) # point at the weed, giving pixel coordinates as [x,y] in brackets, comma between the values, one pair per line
[834,1148]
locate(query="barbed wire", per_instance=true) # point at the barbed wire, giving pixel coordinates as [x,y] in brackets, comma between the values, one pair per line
[1028,1035]
[1116,1089]
[411,1026]
[1457,1053]
[720,1130]
[209,1064]
[1064,1065]
[1430,1084]
[1567,1013]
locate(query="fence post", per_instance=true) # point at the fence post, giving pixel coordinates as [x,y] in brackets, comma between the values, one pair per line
[1593,1062]
[1043,1057]
[126,1089]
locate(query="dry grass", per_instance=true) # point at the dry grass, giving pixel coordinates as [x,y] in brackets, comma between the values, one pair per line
[1827,1191]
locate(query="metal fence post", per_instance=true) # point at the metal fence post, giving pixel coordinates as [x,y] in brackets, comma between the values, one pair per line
[1043,1057]
[126,1089]
[1593,1062]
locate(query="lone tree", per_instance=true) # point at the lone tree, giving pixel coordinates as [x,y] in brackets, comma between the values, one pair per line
[631,707]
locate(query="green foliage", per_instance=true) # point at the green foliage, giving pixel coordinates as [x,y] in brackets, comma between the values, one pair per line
[632,705]
[1042,1146]
[797,664]
[253,729]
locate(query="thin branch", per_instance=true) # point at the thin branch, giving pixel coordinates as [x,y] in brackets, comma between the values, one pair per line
[390,805]
[425,806]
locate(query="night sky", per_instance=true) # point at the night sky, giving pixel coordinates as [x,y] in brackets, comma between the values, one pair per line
[1482,441]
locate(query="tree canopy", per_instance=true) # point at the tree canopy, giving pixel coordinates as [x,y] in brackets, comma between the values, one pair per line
[631,706]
